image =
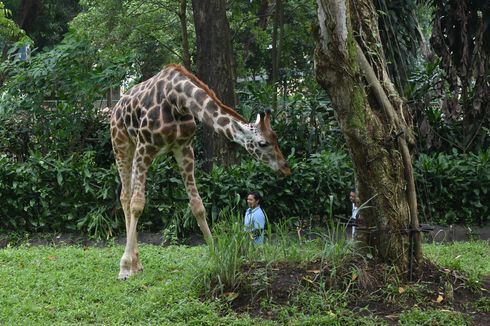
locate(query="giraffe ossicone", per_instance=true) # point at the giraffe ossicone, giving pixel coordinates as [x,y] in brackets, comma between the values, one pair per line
[158,116]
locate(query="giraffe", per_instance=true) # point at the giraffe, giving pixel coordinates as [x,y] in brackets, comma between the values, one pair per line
[158,116]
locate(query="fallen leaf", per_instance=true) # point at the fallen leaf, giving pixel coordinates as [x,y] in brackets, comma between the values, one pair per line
[439,299]
[401,290]
[316,271]
[51,257]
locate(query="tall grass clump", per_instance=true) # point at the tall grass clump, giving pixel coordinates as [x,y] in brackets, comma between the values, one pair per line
[339,252]
[229,249]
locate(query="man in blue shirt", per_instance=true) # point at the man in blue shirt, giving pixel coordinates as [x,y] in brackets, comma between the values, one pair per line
[255,218]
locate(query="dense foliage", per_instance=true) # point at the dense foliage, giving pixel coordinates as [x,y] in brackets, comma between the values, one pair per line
[46,194]
[454,188]
[49,194]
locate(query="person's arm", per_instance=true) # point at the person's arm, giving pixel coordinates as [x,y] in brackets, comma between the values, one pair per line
[247,221]
[259,218]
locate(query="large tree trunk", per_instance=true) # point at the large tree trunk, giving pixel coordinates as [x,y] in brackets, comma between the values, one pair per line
[214,67]
[371,116]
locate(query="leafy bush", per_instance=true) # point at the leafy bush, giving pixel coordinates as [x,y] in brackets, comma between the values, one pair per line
[45,193]
[454,188]
[49,193]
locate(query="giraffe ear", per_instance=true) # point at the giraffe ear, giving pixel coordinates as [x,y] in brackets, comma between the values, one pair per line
[267,119]
[261,121]
[258,119]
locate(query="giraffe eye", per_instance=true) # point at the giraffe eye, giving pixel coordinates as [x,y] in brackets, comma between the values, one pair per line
[263,144]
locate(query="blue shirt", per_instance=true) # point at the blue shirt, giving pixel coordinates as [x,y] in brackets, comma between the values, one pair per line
[255,220]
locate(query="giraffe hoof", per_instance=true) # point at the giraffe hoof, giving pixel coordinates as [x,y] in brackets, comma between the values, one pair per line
[124,275]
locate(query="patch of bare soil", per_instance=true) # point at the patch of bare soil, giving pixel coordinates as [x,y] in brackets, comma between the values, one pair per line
[376,289]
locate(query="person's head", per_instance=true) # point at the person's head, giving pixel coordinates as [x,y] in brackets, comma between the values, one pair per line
[253,199]
[353,196]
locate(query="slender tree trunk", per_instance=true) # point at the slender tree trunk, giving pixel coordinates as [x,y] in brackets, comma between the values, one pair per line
[215,68]
[373,120]
[250,43]
[186,57]
[276,49]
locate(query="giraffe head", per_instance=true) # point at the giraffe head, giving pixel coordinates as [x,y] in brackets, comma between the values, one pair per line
[261,142]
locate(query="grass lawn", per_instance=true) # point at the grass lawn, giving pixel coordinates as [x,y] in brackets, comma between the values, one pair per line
[45,285]
[73,285]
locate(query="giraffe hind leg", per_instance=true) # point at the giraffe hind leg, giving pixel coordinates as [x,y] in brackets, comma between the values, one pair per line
[130,261]
[124,153]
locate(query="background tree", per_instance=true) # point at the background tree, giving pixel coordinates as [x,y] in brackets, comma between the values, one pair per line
[453,102]
[44,21]
[214,61]
[10,33]
[277,36]
[145,34]
[352,68]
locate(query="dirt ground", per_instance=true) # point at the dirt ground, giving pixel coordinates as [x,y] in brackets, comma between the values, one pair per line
[286,279]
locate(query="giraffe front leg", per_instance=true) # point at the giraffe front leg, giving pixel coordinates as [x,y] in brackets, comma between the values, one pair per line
[199,213]
[185,161]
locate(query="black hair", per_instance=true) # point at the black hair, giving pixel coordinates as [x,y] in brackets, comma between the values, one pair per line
[256,195]
[353,190]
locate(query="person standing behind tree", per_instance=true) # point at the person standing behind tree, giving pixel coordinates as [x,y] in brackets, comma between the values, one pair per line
[255,217]
[355,210]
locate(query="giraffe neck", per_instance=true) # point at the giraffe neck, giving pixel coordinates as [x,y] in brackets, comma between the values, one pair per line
[188,92]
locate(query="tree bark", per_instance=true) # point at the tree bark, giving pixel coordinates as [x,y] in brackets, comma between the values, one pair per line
[372,118]
[276,49]
[215,67]
[186,57]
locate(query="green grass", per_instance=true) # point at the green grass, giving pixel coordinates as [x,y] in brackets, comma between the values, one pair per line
[46,285]
[433,318]
[73,285]
[471,258]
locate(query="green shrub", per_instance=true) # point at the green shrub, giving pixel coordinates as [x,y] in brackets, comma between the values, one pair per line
[45,193]
[454,188]
[52,193]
